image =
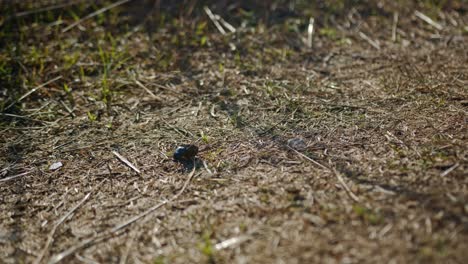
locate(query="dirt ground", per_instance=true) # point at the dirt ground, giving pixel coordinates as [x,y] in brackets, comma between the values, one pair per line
[350,150]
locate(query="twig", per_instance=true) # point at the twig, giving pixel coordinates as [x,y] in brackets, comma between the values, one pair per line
[212,111]
[181,131]
[145,88]
[385,230]
[126,162]
[59,257]
[428,20]
[62,145]
[231,242]
[389,137]
[7,167]
[33,90]
[47,8]
[446,172]
[206,168]
[369,40]
[101,236]
[69,110]
[124,257]
[198,108]
[350,193]
[309,159]
[337,174]
[382,190]
[310,32]
[395,26]
[50,238]
[138,217]
[86,260]
[226,24]
[26,118]
[214,19]
[150,210]
[97,12]
[15,176]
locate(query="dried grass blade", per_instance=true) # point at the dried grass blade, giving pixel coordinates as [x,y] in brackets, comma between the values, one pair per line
[101,236]
[214,20]
[152,209]
[33,90]
[446,172]
[309,159]
[372,42]
[146,89]
[15,176]
[395,26]
[310,32]
[231,242]
[100,11]
[126,162]
[428,20]
[50,238]
[47,8]
[343,183]
[227,25]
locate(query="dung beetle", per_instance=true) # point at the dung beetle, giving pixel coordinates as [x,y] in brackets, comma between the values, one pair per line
[185,152]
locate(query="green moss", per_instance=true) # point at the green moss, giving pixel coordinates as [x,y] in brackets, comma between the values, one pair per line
[368,215]
[329,32]
[207,248]
[160,260]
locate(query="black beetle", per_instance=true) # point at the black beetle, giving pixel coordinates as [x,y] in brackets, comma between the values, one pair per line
[185,152]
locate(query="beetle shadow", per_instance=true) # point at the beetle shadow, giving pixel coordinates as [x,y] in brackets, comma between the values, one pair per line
[188,165]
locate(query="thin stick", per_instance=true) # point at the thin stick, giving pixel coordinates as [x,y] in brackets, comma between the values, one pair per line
[214,20]
[50,238]
[428,20]
[8,167]
[309,159]
[24,117]
[337,174]
[446,172]
[227,25]
[212,111]
[33,90]
[47,8]
[369,40]
[394,27]
[97,12]
[59,257]
[126,162]
[146,89]
[231,242]
[124,257]
[181,131]
[15,176]
[310,32]
[69,110]
[152,209]
[206,168]
[101,236]
[350,193]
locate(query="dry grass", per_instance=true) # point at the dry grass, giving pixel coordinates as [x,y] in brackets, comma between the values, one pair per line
[382,178]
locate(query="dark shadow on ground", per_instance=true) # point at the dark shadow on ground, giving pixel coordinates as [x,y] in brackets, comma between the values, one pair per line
[188,165]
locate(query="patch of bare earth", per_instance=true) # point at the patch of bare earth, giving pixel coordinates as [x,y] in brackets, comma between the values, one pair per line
[380,176]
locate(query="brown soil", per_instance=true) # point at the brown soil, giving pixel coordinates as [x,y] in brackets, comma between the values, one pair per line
[378,174]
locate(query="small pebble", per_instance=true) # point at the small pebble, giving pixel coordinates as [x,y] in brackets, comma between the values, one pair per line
[55,165]
[297,143]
